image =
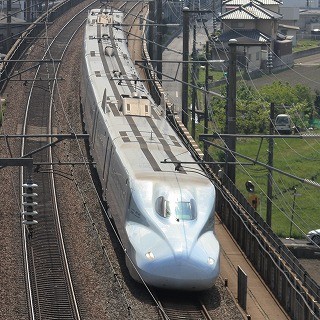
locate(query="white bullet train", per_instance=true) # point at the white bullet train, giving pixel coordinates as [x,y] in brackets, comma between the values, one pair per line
[164,216]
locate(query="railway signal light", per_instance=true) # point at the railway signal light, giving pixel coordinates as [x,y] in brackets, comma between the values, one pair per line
[29,204]
[250,186]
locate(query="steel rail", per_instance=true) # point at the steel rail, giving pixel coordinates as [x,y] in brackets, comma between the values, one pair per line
[31,303]
[175,306]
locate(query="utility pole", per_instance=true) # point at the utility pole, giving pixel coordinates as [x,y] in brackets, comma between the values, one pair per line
[270,163]
[28,11]
[159,39]
[9,40]
[206,120]
[193,128]
[185,73]
[151,29]
[295,194]
[231,111]
[214,20]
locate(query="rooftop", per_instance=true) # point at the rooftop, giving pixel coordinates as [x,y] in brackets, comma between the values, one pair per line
[242,2]
[250,11]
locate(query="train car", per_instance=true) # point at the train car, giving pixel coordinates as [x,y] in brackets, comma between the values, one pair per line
[164,213]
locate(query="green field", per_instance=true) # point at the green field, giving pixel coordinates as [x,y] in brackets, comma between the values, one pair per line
[305,44]
[298,157]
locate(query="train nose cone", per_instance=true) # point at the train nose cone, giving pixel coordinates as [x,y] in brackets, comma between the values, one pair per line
[172,263]
[182,272]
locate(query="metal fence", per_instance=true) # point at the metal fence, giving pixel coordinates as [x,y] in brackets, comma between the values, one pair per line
[296,291]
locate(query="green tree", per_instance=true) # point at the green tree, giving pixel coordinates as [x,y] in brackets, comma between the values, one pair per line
[284,94]
[253,106]
[279,93]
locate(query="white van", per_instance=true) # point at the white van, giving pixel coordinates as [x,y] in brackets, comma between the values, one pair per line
[283,124]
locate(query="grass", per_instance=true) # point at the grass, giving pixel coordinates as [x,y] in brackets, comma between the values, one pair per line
[214,75]
[298,157]
[305,44]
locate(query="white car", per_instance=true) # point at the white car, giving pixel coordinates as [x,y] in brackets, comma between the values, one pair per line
[314,236]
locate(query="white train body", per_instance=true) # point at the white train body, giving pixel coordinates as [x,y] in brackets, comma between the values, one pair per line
[165,218]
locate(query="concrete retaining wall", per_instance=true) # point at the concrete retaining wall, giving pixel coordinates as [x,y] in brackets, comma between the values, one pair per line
[305,53]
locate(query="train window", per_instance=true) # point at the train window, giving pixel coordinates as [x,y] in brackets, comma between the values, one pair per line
[179,210]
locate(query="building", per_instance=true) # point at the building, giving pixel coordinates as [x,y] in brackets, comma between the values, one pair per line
[304,14]
[255,24]
[309,20]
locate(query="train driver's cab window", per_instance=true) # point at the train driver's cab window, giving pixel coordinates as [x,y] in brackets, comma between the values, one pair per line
[179,210]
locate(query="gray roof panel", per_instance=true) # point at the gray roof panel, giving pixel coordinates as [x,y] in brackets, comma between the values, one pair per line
[250,11]
[242,2]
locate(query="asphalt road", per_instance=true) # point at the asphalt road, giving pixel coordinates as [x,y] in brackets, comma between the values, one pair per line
[174,53]
[173,88]
[306,71]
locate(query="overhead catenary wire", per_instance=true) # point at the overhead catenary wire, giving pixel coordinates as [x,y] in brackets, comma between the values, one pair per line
[241,74]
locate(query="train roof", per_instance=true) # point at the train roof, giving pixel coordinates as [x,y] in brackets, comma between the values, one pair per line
[142,136]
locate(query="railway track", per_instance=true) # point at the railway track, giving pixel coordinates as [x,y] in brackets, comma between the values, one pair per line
[179,305]
[49,284]
[49,296]
[38,261]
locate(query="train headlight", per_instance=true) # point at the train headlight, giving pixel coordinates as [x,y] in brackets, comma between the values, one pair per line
[210,261]
[150,255]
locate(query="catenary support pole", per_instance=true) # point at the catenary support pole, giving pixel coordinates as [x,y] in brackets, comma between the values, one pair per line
[270,163]
[185,73]
[159,39]
[193,110]
[231,111]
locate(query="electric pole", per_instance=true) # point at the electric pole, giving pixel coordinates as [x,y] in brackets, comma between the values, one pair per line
[231,111]
[193,112]
[206,89]
[159,39]
[206,120]
[151,29]
[185,73]
[270,163]
[9,40]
